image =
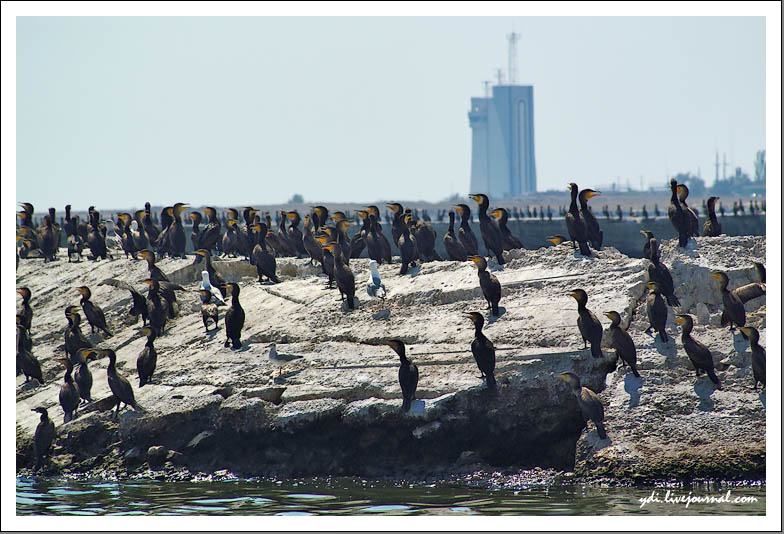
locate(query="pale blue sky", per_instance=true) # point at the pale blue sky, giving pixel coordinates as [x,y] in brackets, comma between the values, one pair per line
[237,111]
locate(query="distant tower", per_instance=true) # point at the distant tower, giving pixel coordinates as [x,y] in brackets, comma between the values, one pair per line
[512,38]
[717,166]
[502,158]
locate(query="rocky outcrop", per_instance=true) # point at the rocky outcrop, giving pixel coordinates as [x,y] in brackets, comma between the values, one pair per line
[337,409]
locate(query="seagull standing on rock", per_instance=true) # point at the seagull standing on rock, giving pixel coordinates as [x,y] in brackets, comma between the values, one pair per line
[205,284]
[374,286]
[280,359]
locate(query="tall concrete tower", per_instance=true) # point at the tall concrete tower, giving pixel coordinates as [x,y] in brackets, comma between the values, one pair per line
[502,156]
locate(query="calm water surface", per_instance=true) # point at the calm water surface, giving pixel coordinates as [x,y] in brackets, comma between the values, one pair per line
[40,496]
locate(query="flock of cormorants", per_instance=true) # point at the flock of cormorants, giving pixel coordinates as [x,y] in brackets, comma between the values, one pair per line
[330,246]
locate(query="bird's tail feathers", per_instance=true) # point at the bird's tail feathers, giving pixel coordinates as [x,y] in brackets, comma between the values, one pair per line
[600,429]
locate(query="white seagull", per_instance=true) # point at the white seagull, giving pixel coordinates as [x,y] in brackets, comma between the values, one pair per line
[205,284]
[374,286]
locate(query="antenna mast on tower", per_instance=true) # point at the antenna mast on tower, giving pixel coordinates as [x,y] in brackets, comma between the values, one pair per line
[512,38]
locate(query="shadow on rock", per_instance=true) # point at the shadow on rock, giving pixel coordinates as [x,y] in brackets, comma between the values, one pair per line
[704,388]
[632,386]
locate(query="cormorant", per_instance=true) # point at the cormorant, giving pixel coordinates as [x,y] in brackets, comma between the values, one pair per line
[595,234]
[25,360]
[123,230]
[138,301]
[454,248]
[157,306]
[155,271]
[118,384]
[691,217]
[327,259]
[646,249]
[343,276]
[464,234]
[25,309]
[264,261]
[757,355]
[712,226]
[622,342]
[589,402]
[698,353]
[657,311]
[48,239]
[589,325]
[74,338]
[483,350]
[148,358]
[209,238]
[74,241]
[734,312]
[678,217]
[234,318]
[408,248]
[658,272]
[491,287]
[312,247]
[95,239]
[93,313]
[176,234]
[195,230]
[209,310]
[385,250]
[491,234]
[369,237]
[425,237]
[575,224]
[295,234]
[69,393]
[82,375]
[510,241]
[397,221]
[43,437]
[407,374]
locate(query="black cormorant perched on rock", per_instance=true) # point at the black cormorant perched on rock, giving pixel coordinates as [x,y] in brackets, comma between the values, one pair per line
[575,224]
[148,357]
[48,239]
[209,309]
[93,313]
[698,353]
[646,248]
[210,236]
[25,360]
[295,234]
[138,301]
[374,218]
[491,287]
[657,311]
[119,385]
[734,313]
[73,241]
[510,241]
[465,235]
[691,217]
[327,259]
[43,437]
[82,375]
[712,226]
[344,277]
[196,217]
[454,248]
[590,327]
[96,241]
[622,342]
[589,402]
[595,234]
[69,393]
[123,230]
[155,271]
[370,237]
[312,246]
[234,318]
[483,350]
[25,309]
[408,374]
[677,216]
[408,248]
[264,261]
[659,273]
[491,234]
[74,338]
[398,221]
[157,306]
[757,355]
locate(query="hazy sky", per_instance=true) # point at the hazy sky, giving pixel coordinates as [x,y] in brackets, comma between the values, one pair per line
[236,111]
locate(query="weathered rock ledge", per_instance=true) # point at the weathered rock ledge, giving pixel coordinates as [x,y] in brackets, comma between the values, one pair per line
[337,410]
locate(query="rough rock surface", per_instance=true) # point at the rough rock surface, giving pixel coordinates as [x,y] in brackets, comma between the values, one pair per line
[337,409]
